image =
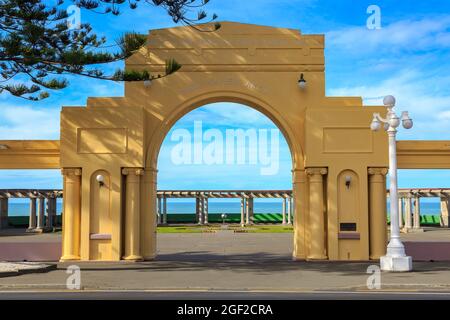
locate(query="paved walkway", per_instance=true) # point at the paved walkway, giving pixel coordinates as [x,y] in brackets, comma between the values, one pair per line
[227,261]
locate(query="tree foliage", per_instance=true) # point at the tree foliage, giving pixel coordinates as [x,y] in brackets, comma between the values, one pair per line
[39,48]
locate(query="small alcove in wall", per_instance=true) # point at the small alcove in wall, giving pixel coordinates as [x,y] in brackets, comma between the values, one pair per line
[100,219]
[348,215]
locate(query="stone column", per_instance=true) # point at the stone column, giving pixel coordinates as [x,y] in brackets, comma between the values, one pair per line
[247,211]
[71,214]
[289,209]
[300,211]
[377,212]
[316,213]
[4,213]
[444,211]
[283,211]
[159,211]
[32,220]
[249,215]
[54,211]
[41,214]
[416,225]
[132,213]
[165,210]
[50,215]
[197,216]
[205,210]
[400,212]
[243,211]
[408,214]
[251,212]
[148,214]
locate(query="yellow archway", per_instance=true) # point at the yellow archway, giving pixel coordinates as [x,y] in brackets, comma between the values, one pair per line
[255,65]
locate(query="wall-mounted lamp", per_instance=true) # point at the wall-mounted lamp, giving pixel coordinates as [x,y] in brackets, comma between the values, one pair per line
[101,180]
[348,181]
[302,82]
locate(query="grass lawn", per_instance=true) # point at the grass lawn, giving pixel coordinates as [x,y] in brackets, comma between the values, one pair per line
[184,229]
[271,229]
[217,227]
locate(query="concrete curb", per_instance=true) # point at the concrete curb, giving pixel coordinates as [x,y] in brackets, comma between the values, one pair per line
[16,269]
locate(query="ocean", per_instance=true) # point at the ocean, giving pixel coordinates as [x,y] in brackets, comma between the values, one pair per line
[176,206]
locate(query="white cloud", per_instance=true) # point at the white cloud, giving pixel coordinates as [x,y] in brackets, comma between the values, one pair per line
[28,123]
[400,36]
[427,102]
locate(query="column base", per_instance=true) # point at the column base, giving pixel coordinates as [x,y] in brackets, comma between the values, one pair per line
[133,258]
[149,258]
[405,230]
[317,257]
[445,221]
[69,258]
[298,258]
[418,230]
[396,264]
[376,257]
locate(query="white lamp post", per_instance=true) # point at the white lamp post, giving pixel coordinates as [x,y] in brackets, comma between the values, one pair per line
[395,259]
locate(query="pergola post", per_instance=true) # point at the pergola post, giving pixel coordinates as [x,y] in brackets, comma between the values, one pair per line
[41,214]
[3,213]
[165,210]
[444,211]
[416,217]
[205,210]
[159,213]
[249,215]
[283,211]
[289,209]
[408,214]
[199,209]
[32,217]
[243,206]
[49,211]
[400,212]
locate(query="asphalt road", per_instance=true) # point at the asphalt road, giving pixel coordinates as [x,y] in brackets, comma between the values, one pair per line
[224,295]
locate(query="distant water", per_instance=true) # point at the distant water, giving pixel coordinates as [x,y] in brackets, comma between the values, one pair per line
[174,207]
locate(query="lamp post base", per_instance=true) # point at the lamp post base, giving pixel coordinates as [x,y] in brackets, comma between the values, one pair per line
[396,264]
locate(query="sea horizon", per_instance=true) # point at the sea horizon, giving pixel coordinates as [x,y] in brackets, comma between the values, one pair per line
[228,207]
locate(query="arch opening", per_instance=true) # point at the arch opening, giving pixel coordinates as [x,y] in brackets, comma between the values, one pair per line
[225,168]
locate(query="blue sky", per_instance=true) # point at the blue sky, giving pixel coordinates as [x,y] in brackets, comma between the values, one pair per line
[407,57]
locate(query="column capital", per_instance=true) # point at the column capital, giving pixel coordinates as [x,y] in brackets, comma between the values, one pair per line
[71,172]
[151,170]
[299,176]
[316,171]
[377,171]
[133,171]
[150,175]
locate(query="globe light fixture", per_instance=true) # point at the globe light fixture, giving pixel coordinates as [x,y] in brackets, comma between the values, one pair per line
[395,258]
[376,124]
[302,82]
[100,179]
